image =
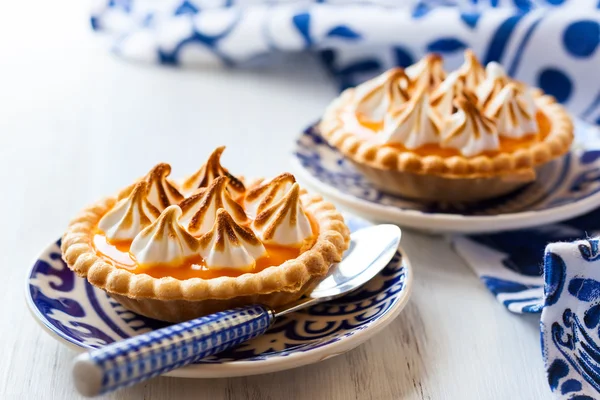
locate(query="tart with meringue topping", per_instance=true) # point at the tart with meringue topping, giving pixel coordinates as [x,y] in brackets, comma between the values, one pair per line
[175,251]
[464,136]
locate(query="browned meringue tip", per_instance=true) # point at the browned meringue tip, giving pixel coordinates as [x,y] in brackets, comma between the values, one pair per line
[269,189]
[433,73]
[168,224]
[396,75]
[228,230]
[434,57]
[471,70]
[515,106]
[168,217]
[397,72]
[466,99]
[212,169]
[467,102]
[157,177]
[200,204]
[215,186]
[140,189]
[471,58]
[139,195]
[263,187]
[285,205]
[394,88]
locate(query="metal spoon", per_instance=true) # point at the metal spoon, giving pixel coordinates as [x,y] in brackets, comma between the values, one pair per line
[142,357]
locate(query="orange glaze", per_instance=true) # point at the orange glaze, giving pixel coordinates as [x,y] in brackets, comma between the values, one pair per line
[367,123]
[507,145]
[192,267]
[117,253]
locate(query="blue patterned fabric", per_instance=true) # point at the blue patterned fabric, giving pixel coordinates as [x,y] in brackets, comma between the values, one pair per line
[562,282]
[551,44]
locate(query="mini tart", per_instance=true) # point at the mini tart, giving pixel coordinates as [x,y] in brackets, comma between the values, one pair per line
[174,300]
[447,177]
[455,178]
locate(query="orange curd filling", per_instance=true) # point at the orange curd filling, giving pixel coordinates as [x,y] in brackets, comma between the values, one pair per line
[117,253]
[507,145]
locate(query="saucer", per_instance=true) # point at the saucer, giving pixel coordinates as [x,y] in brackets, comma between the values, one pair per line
[84,317]
[566,188]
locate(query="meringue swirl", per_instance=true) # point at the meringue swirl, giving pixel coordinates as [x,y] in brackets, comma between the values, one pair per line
[263,195]
[129,216]
[165,242]
[428,72]
[471,71]
[284,222]
[468,130]
[380,96]
[415,124]
[208,234]
[211,170]
[200,209]
[514,111]
[161,192]
[470,109]
[495,80]
[229,245]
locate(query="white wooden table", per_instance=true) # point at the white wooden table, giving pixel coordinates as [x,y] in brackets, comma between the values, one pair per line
[75,124]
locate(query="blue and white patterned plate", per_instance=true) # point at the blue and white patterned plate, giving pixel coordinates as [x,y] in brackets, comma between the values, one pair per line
[567,188]
[84,317]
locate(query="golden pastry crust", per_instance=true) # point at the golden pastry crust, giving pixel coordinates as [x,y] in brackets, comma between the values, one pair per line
[174,300]
[522,162]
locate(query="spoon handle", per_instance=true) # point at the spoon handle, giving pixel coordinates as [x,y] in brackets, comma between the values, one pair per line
[142,357]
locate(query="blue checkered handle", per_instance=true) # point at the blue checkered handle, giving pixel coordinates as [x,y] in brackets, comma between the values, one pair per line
[142,357]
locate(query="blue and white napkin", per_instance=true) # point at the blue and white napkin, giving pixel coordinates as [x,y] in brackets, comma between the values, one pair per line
[552,44]
[562,281]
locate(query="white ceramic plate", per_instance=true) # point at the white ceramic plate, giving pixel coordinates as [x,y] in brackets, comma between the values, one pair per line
[84,317]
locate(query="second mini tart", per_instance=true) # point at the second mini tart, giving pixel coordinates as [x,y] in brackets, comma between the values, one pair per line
[175,252]
[466,136]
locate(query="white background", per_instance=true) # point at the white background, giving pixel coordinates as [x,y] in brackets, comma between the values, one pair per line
[76,124]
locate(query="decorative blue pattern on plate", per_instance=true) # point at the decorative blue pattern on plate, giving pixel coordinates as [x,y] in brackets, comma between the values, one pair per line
[567,187]
[69,307]
[551,44]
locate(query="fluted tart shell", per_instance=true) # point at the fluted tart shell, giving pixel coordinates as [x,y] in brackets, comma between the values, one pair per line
[448,179]
[174,300]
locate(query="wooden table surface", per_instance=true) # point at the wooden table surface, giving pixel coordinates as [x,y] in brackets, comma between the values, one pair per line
[76,124]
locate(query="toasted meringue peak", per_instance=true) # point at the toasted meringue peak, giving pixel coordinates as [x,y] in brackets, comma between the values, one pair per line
[266,193]
[383,94]
[442,97]
[471,70]
[495,80]
[164,242]
[129,216]
[414,125]
[468,130]
[229,245]
[200,209]
[161,193]
[284,222]
[211,170]
[428,72]
[514,112]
